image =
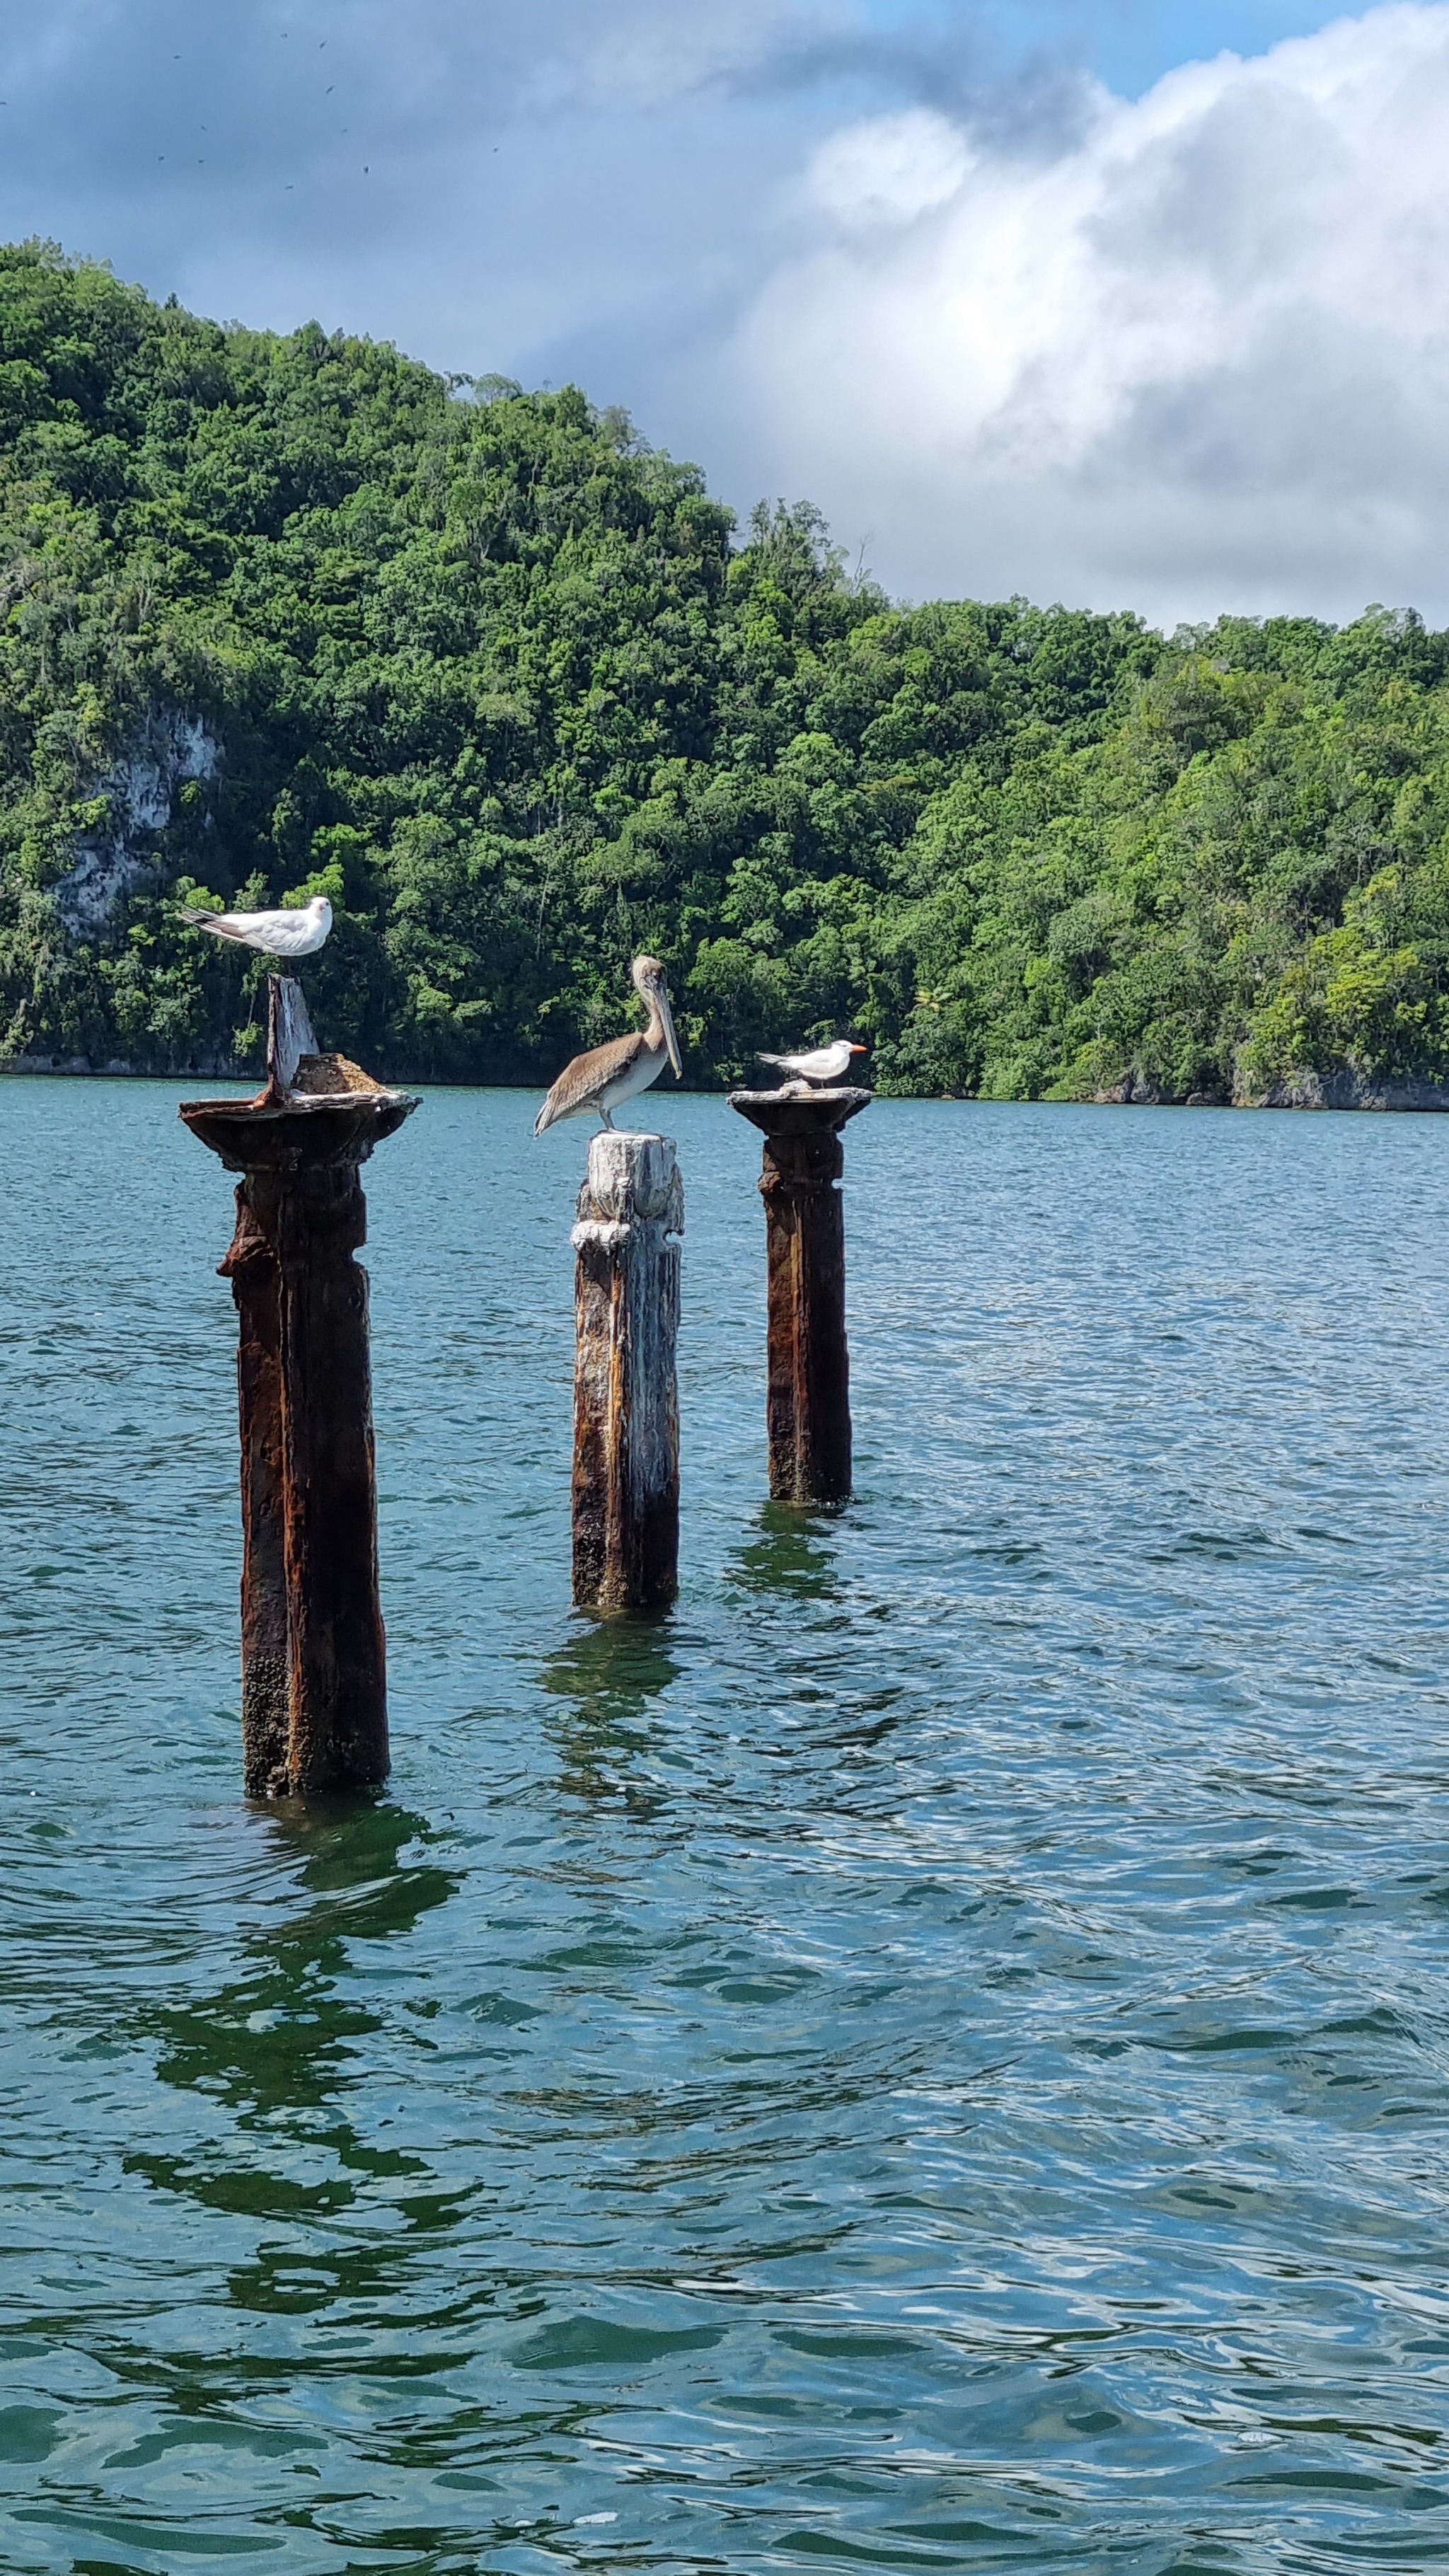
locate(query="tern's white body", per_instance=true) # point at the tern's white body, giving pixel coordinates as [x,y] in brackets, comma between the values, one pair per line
[822,1064]
[288,933]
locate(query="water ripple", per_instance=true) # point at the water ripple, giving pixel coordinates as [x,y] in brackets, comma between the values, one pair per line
[931,2056]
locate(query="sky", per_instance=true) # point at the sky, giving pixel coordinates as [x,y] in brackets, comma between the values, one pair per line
[1101,301]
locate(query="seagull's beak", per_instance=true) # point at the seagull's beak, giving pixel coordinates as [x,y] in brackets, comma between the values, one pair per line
[671,1041]
[860,1050]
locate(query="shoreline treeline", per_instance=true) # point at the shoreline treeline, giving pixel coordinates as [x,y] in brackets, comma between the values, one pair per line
[512,689]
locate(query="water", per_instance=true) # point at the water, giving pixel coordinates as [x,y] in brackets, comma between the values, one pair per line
[931,2057]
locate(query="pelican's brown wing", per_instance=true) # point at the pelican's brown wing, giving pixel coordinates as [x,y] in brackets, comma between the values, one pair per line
[580,1083]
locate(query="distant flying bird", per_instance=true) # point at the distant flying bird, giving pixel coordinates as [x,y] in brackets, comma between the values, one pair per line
[823,1064]
[295,932]
[607,1076]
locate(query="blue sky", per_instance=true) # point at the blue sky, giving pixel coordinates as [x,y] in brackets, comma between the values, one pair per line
[1130,43]
[1126,43]
[671,201]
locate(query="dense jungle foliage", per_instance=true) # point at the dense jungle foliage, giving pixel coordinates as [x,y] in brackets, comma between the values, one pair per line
[507,685]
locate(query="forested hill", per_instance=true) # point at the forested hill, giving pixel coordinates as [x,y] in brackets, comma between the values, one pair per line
[284,615]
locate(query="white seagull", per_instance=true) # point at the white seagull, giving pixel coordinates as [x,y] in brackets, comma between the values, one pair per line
[295,932]
[823,1064]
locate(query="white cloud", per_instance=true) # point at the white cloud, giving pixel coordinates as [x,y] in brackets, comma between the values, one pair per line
[1197,358]
[889,169]
[1179,353]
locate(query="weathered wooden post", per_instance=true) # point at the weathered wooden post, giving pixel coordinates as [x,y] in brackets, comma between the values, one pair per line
[626,1393]
[808,1397]
[314,1689]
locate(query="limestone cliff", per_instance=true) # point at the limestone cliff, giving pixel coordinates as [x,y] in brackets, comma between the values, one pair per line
[140,793]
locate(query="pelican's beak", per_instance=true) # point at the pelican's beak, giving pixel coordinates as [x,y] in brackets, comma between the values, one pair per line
[670,1040]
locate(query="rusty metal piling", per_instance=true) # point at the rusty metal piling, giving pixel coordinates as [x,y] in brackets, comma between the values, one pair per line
[314,1688]
[808,1387]
[626,1396]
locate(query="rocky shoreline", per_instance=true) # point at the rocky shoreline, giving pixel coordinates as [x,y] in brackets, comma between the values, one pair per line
[208,1068]
[1343,1089]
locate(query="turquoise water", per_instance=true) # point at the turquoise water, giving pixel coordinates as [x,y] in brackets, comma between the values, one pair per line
[930,2057]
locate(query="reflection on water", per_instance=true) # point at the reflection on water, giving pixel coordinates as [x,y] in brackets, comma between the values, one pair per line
[611,1668]
[281,2043]
[926,2056]
[608,1672]
[790,1553]
[279,2037]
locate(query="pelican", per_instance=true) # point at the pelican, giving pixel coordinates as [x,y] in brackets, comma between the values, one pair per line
[298,931]
[823,1064]
[609,1075]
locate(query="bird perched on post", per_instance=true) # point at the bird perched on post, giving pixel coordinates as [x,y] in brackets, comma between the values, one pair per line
[606,1076]
[292,932]
[822,1065]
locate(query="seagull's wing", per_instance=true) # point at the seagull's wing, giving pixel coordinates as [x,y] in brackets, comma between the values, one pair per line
[276,934]
[222,925]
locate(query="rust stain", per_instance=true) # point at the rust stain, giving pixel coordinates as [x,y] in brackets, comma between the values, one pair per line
[314,1677]
[807,1401]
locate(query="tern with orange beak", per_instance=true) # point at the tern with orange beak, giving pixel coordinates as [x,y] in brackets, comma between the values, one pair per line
[824,1064]
[607,1076]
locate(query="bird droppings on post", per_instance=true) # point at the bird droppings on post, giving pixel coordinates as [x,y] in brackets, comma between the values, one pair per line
[314,1688]
[808,1361]
[626,1394]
